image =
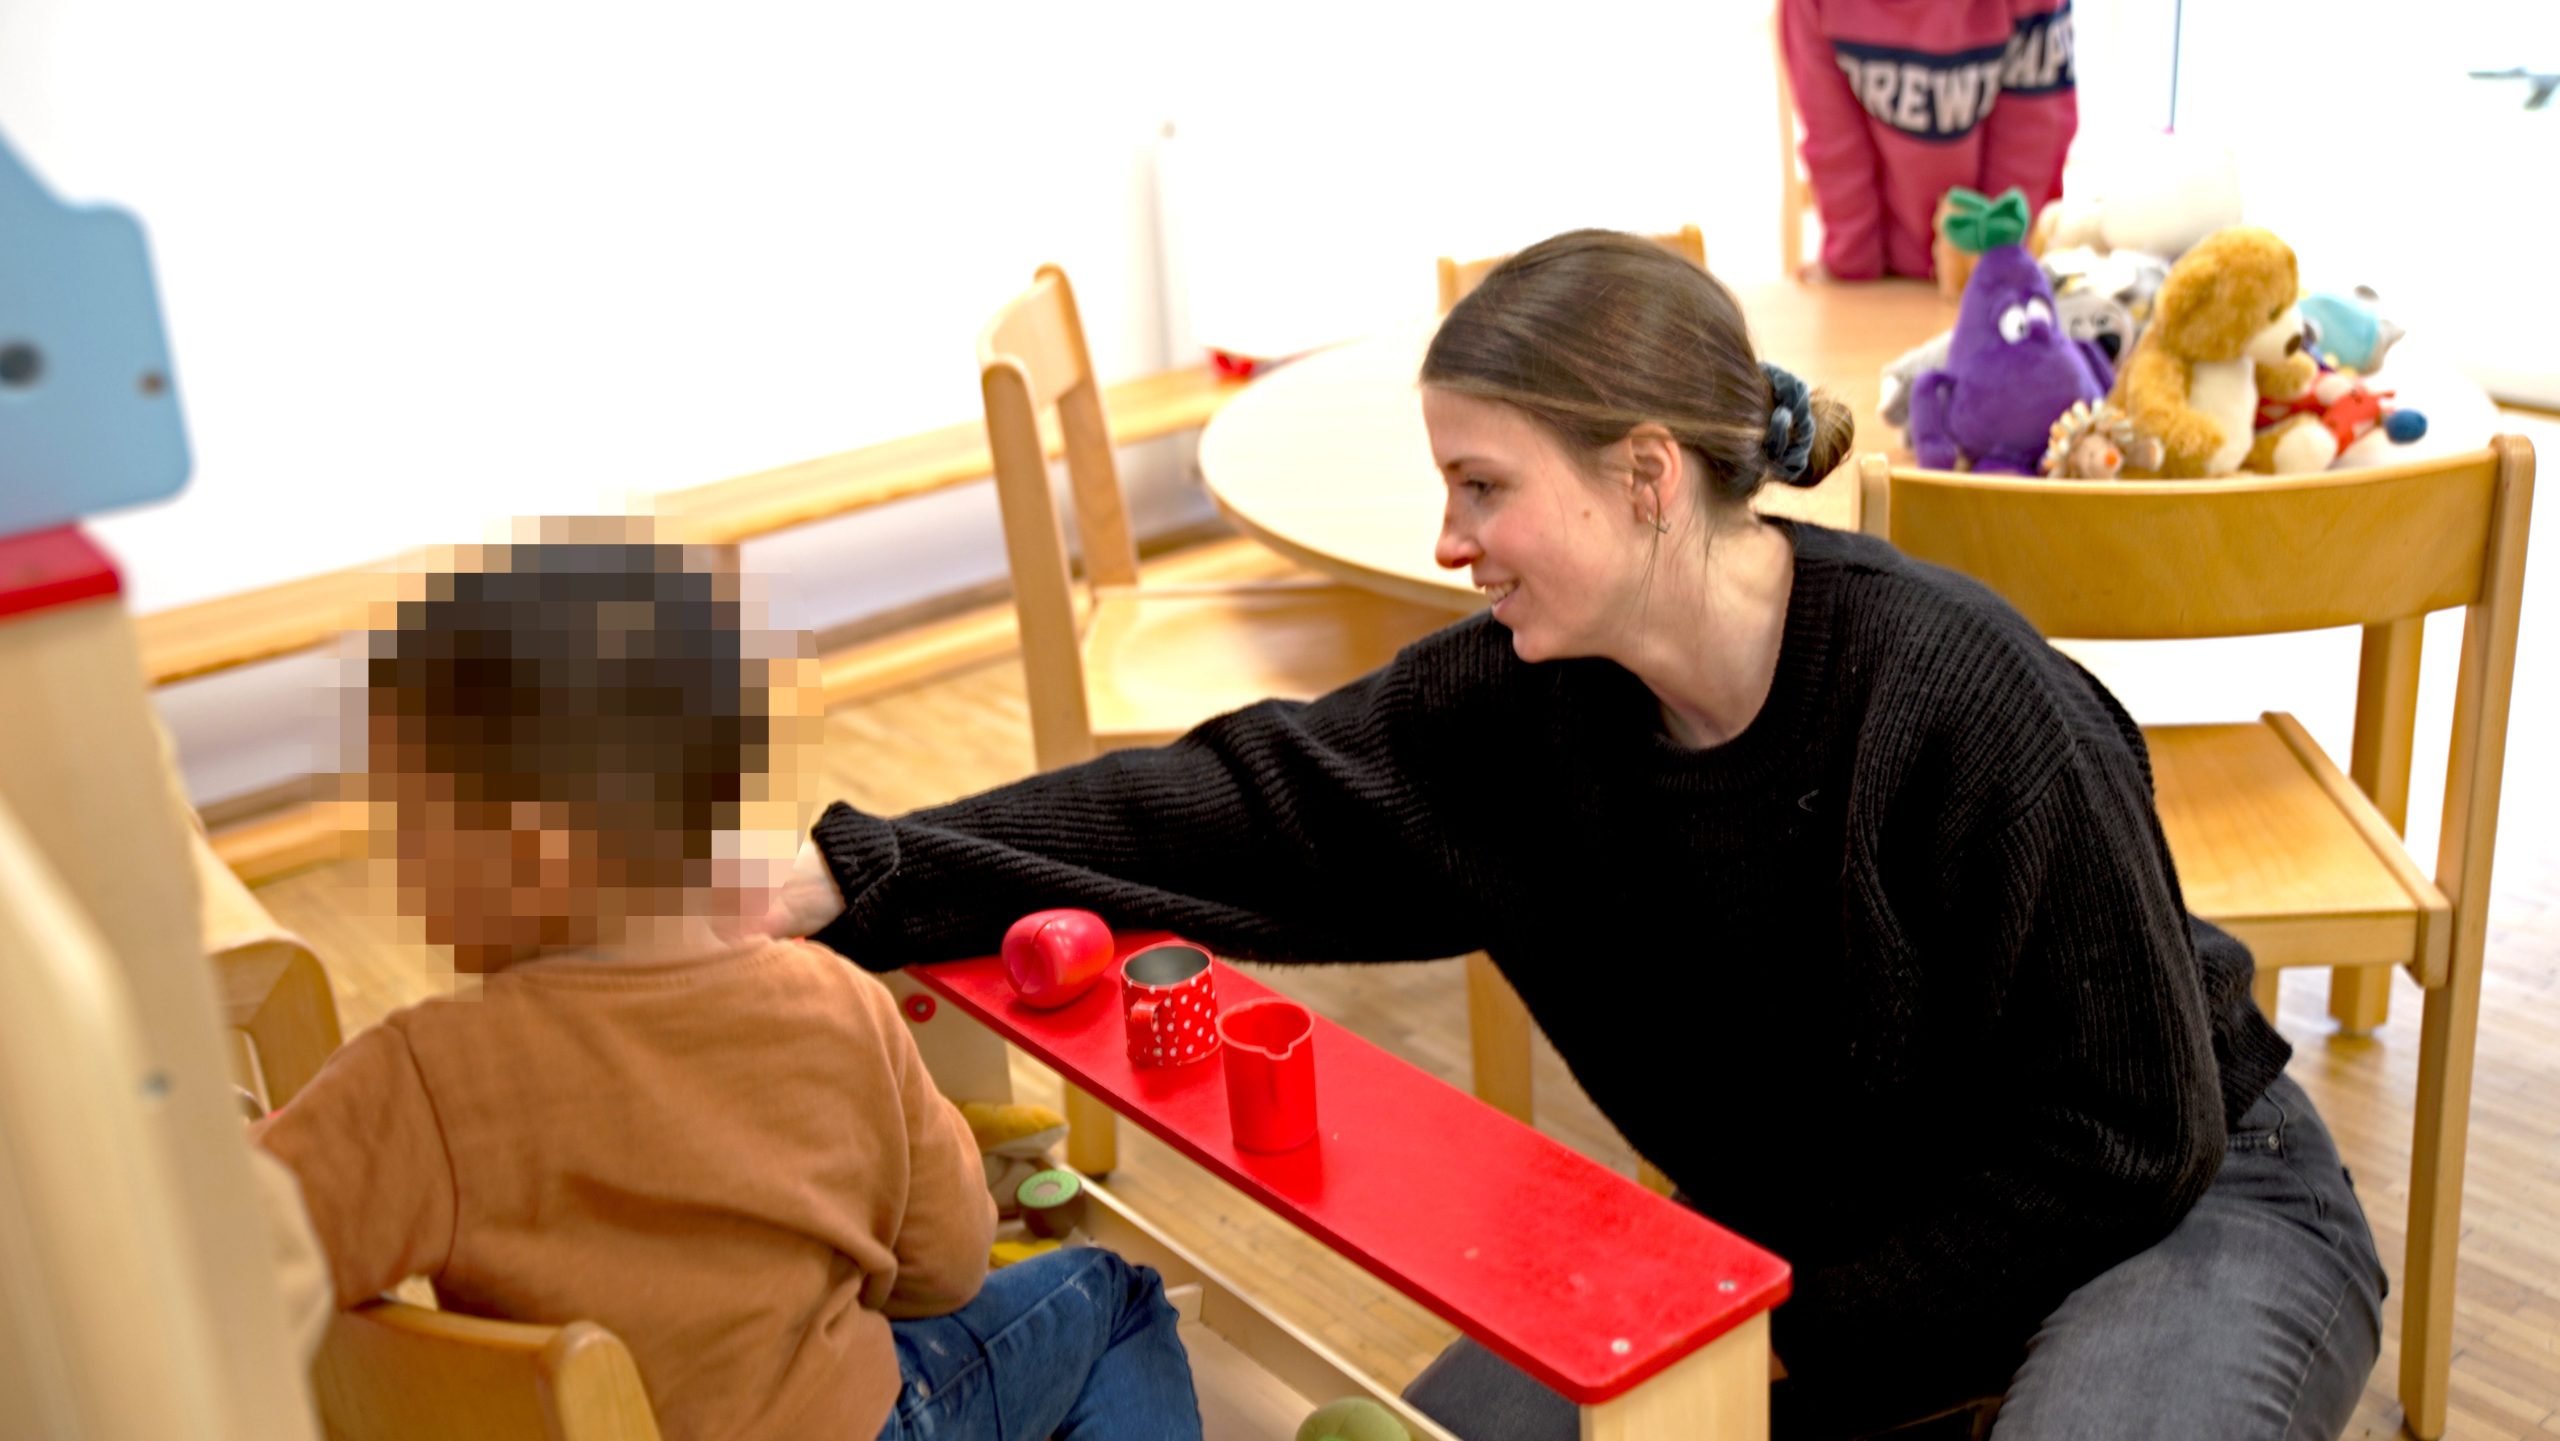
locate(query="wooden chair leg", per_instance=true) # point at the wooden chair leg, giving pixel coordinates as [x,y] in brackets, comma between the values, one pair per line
[2448,1038]
[1498,1032]
[1093,1134]
[2268,984]
[2386,731]
[2360,998]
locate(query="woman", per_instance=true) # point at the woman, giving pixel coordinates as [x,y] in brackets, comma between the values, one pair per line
[1767,814]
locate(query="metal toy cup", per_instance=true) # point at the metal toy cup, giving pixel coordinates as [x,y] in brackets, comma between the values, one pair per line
[1169,995]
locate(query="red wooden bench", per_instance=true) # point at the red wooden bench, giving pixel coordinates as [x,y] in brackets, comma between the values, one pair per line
[1650,1317]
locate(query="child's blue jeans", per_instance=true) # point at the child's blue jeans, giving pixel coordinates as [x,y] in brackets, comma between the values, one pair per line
[1074,1344]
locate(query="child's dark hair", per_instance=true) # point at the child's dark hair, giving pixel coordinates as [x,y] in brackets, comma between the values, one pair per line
[1594,333]
[607,683]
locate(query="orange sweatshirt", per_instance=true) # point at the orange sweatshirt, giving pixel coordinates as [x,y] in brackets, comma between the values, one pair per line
[735,1163]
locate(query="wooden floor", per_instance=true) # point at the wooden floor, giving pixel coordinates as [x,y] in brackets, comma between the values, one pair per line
[969,731]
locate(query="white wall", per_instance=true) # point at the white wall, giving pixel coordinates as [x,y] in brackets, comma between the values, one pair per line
[428,267]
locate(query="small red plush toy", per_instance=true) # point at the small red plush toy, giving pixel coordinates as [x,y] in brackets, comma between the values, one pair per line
[2338,410]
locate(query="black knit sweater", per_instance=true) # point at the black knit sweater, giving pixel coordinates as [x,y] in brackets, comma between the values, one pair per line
[1898,982]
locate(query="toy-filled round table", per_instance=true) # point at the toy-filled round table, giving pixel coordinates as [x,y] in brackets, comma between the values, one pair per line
[1326,461]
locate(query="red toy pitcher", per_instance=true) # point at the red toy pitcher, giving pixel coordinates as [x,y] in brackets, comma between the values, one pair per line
[1271,1074]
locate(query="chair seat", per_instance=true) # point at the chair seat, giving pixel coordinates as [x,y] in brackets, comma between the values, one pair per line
[1160,660]
[2274,844]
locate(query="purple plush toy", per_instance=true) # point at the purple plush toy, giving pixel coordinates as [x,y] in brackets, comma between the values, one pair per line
[2010,368]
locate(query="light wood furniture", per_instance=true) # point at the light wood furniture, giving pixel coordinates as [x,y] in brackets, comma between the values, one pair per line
[1123,664]
[290,617]
[1457,277]
[129,1306]
[391,1371]
[1795,186]
[1648,1316]
[2271,839]
[273,988]
[1326,460]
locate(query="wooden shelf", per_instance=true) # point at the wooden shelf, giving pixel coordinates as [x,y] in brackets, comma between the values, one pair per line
[215,635]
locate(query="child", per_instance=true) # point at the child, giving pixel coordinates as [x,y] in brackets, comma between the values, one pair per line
[721,1147]
[1902,102]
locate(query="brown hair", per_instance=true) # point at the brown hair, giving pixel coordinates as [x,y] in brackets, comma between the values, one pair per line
[1594,333]
[610,679]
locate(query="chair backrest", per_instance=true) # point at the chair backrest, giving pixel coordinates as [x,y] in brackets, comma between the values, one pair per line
[2167,560]
[1457,277]
[395,1372]
[2184,559]
[1031,362]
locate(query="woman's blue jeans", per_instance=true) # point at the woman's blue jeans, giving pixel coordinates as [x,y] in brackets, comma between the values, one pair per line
[1076,1344]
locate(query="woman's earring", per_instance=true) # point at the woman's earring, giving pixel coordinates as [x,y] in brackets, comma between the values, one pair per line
[1660,525]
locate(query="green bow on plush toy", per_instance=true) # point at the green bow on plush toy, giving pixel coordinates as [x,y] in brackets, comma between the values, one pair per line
[1975,222]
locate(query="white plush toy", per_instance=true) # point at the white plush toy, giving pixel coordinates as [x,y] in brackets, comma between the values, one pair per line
[2157,194]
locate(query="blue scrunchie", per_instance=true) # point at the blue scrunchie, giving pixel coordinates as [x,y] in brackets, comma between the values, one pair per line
[1788,447]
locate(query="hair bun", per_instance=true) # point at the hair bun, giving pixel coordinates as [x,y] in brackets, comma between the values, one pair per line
[1788,446]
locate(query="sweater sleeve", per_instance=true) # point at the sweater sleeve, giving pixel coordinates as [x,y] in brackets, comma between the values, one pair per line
[2102,1121]
[363,1141]
[949,1219]
[1839,154]
[1282,831]
[2027,135]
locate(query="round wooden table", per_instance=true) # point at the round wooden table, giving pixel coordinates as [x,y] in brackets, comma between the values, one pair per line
[1326,461]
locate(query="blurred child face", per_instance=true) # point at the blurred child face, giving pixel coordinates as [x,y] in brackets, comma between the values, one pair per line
[499,883]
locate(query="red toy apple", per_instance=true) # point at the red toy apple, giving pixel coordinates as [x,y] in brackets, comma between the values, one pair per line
[1052,957]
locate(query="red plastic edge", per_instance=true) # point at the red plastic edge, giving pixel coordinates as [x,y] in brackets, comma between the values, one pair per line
[45,569]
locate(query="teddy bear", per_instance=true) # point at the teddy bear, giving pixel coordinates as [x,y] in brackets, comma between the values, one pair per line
[2310,430]
[2194,379]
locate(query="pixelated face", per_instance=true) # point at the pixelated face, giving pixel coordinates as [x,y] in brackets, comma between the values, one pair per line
[575,741]
[497,881]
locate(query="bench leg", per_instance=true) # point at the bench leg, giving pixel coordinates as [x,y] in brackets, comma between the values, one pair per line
[1093,1134]
[1498,1031]
[1719,1392]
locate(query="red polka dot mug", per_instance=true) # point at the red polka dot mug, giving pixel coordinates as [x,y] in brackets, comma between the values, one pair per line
[1170,1003]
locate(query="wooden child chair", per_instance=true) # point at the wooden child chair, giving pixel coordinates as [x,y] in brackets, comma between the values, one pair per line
[1457,277]
[2272,841]
[1123,664]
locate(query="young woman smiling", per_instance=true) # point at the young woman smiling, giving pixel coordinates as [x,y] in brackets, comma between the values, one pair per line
[1841,891]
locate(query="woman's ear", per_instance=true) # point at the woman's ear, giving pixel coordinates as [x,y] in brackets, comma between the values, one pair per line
[1654,471]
